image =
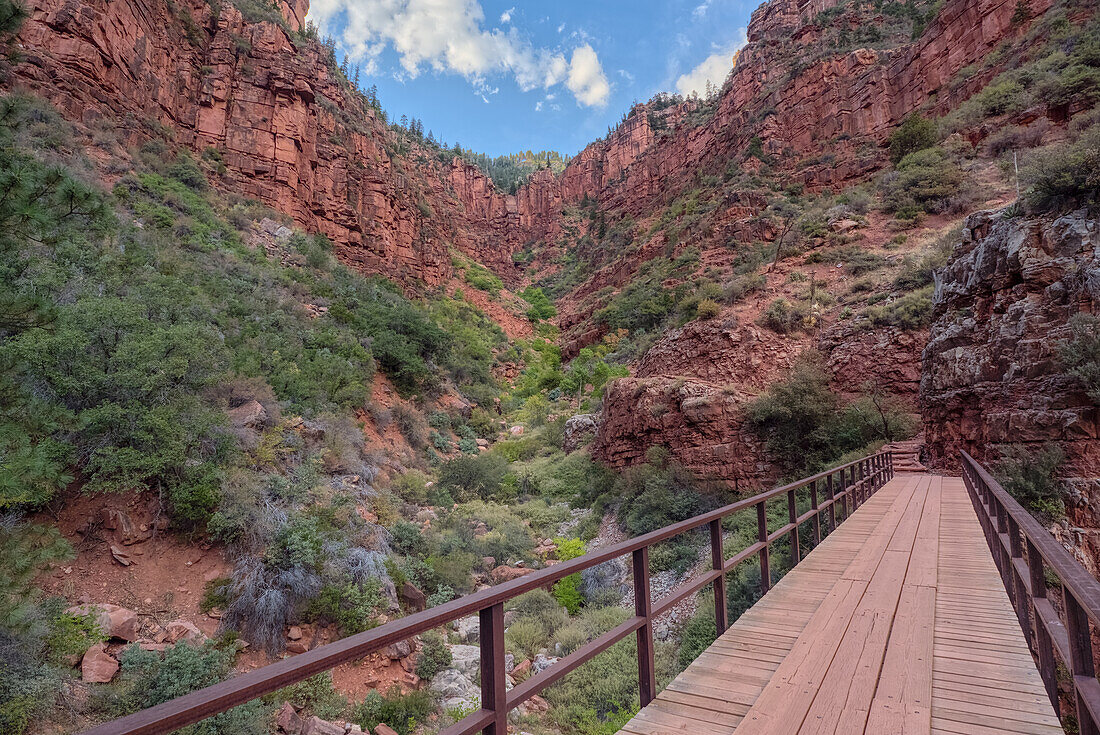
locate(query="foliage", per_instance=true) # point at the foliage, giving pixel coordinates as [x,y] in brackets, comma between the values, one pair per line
[910,311]
[402,712]
[1081,353]
[481,476]
[1065,175]
[1030,476]
[914,134]
[806,426]
[352,607]
[316,695]
[434,656]
[923,181]
[26,549]
[784,317]
[149,680]
[567,590]
[541,305]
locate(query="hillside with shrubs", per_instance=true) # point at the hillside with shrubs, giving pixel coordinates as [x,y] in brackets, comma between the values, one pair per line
[228,438]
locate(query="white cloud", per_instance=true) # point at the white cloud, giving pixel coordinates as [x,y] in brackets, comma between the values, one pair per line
[586,79]
[713,68]
[561,28]
[702,8]
[449,36]
[506,16]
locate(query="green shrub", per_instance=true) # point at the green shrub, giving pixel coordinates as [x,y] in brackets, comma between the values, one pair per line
[352,607]
[316,695]
[923,181]
[707,309]
[1030,476]
[783,317]
[434,656]
[911,311]
[541,305]
[914,134]
[149,680]
[807,426]
[567,590]
[1066,175]
[482,476]
[403,712]
[1081,353]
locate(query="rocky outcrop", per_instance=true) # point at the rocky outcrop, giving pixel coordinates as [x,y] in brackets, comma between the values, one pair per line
[885,360]
[992,375]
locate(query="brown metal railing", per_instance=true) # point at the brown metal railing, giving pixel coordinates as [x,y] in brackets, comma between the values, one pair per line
[849,485]
[1024,552]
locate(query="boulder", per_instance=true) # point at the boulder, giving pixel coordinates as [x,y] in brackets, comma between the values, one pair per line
[398,651]
[605,580]
[542,662]
[112,620]
[122,526]
[98,666]
[505,573]
[384,729]
[455,690]
[294,634]
[413,598]
[577,428]
[466,659]
[468,629]
[248,414]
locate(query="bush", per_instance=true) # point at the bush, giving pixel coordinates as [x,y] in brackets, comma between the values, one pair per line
[316,695]
[1081,353]
[923,181]
[467,478]
[707,309]
[1030,476]
[783,317]
[352,607]
[149,680]
[567,590]
[1066,175]
[911,311]
[914,134]
[541,305]
[402,712]
[434,656]
[806,426]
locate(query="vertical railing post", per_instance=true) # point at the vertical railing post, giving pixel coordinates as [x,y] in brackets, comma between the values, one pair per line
[765,556]
[1080,657]
[718,562]
[1044,647]
[843,490]
[830,495]
[1020,589]
[817,513]
[493,684]
[643,608]
[792,512]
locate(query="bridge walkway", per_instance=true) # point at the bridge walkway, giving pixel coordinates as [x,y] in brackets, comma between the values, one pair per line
[897,623]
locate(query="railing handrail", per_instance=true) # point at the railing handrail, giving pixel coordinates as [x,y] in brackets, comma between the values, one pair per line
[873,471]
[1023,551]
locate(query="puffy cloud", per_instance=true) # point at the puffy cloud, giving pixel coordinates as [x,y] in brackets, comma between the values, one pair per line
[450,36]
[506,16]
[713,68]
[586,79]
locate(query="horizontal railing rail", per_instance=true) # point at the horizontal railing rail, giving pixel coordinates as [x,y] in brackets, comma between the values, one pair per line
[1024,552]
[848,485]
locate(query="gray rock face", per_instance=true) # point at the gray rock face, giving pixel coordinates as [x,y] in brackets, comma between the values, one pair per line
[577,428]
[992,374]
[605,582]
[466,659]
[468,629]
[542,662]
[455,690]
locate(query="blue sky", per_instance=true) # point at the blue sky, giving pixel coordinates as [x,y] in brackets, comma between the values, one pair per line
[511,75]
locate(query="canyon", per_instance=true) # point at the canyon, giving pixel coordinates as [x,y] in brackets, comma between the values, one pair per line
[262,98]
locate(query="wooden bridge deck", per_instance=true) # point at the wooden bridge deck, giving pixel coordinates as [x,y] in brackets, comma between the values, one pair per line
[897,623]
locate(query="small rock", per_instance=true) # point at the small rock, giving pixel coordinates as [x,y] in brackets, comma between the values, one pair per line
[316,726]
[542,662]
[398,651]
[297,647]
[288,720]
[516,430]
[183,630]
[384,729]
[295,633]
[98,666]
[122,557]
[413,597]
[522,668]
[506,573]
